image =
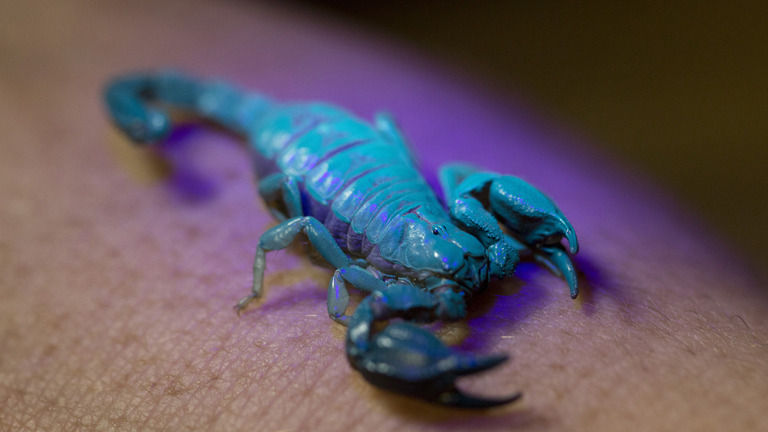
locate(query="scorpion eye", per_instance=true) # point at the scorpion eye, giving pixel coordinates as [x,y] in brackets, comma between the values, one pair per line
[438,230]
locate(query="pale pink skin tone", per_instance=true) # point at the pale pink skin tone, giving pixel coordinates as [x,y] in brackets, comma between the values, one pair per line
[117,283]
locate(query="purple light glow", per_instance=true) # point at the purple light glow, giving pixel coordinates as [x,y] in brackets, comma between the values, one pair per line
[117,295]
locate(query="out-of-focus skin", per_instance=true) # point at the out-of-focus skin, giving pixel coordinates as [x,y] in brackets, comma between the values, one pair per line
[117,278]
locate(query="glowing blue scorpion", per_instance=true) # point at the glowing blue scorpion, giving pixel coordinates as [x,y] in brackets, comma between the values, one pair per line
[354,190]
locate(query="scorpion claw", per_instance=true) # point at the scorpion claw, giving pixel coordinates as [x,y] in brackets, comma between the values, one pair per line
[409,360]
[556,259]
[481,201]
[537,225]
[462,400]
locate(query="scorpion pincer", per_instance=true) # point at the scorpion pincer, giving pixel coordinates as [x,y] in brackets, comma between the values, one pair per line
[354,190]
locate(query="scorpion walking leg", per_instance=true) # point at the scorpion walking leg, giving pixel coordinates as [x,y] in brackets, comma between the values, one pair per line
[280,236]
[338,295]
[407,359]
[281,193]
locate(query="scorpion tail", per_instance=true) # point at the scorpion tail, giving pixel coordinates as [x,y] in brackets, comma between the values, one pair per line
[135,100]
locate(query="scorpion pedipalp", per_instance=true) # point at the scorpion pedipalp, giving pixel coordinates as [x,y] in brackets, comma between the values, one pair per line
[483,202]
[408,359]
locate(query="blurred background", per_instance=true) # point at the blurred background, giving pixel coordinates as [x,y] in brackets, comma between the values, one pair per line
[678,90]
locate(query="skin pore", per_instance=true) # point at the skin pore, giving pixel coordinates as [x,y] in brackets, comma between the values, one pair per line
[119,267]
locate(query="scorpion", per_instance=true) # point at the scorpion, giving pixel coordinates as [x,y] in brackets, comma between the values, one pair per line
[354,190]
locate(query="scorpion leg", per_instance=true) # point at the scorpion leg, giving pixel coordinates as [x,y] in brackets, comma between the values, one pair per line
[280,236]
[479,201]
[281,193]
[404,358]
[338,295]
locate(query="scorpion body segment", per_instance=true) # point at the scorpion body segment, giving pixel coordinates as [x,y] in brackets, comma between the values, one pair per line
[354,190]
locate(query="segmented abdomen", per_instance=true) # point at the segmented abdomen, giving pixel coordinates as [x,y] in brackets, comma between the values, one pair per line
[354,179]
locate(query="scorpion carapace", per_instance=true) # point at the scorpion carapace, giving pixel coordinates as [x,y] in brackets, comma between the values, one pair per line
[354,190]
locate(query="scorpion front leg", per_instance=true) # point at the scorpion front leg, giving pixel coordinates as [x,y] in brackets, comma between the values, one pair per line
[407,359]
[282,235]
[479,201]
[347,270]
[338,294]
[281,194]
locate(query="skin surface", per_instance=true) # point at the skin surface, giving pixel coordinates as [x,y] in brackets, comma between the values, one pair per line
[118,275]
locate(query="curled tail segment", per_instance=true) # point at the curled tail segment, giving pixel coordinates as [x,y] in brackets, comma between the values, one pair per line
[135,103]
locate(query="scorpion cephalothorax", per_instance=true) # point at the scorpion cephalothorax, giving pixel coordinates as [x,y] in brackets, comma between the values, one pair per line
[354,190]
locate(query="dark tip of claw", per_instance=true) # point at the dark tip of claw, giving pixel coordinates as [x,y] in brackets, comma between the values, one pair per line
[243,304]
[238,310]
[573,286]
[452,396]
[458,399]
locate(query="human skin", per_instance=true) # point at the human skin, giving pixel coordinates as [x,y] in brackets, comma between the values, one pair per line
[119,266]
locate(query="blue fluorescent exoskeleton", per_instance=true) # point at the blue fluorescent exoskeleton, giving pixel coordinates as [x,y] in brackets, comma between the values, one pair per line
[354,190]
